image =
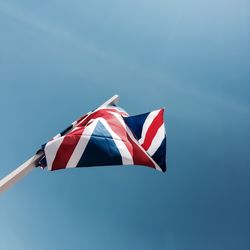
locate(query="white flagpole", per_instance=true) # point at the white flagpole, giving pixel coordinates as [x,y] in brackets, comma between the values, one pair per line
[19,172]
[30,164]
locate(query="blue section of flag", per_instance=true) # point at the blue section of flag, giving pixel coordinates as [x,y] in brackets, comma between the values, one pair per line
[160,155]
[101,139]
[135,123]
[101,149]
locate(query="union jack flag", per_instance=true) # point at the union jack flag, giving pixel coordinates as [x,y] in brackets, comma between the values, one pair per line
[109,136]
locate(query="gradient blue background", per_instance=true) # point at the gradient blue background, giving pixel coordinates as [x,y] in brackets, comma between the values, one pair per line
[60,59]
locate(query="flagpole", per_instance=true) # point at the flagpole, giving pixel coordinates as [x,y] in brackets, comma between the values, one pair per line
[19,172]
[30,164]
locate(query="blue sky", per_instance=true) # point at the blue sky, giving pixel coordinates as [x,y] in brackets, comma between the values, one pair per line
[60,59]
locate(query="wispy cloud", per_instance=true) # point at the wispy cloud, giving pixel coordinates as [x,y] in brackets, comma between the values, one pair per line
[118,61]
[47,26]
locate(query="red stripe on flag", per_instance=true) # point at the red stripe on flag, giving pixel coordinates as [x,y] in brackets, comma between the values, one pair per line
[70,141]
[140,157]
[98,113]
[152,130]
[118,128]
[66,149]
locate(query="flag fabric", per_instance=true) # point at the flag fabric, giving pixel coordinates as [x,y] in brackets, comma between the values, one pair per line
[109,136]
[149,130]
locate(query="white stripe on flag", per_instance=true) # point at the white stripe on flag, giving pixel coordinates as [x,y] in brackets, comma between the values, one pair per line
[119,117]
[147,123]
[145,152]
[156,142]
[81,145]
[130,134]
[127,158]
[51,149]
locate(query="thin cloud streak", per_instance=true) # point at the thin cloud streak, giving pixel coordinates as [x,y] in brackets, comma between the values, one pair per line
[43,25]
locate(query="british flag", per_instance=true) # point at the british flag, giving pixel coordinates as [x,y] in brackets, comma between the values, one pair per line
[109,136]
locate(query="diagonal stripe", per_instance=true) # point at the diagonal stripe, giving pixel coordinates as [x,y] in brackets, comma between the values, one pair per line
[147,124]
[81,145]
[121,131]
[114,109]
[98,113]
[69,150]
[127,158]
[152,129]
[157,140]
[51,149]
[141,157]
[66,149]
